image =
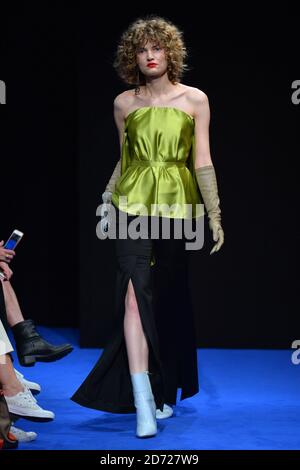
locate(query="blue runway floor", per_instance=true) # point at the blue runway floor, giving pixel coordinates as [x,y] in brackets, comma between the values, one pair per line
[248,399]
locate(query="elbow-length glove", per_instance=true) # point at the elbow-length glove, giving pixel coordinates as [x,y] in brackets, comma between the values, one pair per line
[207,182]
[106,199]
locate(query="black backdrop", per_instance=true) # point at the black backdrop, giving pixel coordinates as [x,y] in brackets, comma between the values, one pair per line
[59,146]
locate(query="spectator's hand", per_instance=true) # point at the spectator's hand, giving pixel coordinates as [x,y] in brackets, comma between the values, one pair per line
[6,255]
[6,270]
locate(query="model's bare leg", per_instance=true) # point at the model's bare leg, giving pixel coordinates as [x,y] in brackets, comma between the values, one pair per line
[13,310]
[137,352]
[136,343]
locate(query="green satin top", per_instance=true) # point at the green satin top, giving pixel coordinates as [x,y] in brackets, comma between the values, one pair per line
[158,164]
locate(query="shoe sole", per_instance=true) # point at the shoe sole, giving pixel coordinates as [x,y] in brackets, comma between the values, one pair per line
[28,361]
[25,439]
[164,416]
[38,419]
[145,437]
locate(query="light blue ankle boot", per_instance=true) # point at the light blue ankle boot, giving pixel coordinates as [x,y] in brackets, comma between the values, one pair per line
[145,405]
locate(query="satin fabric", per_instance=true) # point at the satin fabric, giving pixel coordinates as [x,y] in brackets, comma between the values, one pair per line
[158,164]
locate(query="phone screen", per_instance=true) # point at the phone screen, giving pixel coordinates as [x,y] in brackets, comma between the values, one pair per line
[11,243]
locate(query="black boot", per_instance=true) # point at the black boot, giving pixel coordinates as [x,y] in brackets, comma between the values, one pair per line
[31,347]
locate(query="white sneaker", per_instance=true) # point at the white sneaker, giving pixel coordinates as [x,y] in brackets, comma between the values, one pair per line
[33,386]
[166,413]
[24,404]
[23,436]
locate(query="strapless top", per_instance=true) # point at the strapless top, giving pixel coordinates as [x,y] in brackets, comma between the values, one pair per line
[158,165]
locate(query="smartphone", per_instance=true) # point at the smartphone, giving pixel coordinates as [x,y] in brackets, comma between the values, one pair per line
[13,240]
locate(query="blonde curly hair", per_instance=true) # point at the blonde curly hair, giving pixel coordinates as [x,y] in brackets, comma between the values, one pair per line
[156,30]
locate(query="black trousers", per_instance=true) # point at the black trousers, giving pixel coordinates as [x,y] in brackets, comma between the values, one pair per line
[163,298]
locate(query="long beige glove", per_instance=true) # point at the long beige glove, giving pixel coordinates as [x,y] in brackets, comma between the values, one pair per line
[106,198]
[114,177]
[207,182]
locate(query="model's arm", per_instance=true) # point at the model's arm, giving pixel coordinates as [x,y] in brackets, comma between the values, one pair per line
[204,168]
[110,187]
[202,120]
[119,116]
[120,122]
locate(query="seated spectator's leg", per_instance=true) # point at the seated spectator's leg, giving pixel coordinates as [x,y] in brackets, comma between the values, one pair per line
[10,384]
[7,377]
[19,399]
[30,346]
[7,439]
[3,316]
[13,310]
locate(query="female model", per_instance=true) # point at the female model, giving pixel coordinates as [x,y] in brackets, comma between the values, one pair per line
[165,168]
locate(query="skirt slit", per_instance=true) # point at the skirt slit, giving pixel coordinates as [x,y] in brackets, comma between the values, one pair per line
[108,386]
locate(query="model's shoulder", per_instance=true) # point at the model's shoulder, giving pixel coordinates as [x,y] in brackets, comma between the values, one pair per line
[124,100]
[196,96]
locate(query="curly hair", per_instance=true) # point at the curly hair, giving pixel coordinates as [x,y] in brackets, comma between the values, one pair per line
[154,29]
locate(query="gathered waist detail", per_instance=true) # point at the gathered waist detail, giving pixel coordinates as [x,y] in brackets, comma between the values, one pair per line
[155,163]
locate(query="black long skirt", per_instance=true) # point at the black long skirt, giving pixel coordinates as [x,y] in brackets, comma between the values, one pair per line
[163,298]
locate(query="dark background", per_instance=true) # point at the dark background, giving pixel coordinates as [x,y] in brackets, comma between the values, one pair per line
[59,147]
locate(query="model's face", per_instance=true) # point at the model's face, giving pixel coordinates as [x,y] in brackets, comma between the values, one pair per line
[151,60]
